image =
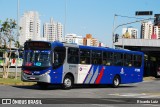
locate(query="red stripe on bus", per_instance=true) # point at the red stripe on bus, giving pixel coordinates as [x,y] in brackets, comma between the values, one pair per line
[99,76]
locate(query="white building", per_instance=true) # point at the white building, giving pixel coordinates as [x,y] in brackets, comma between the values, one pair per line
[157,32]
[133,32]
[73,38]
[146,30]
[53,31]
[30,24]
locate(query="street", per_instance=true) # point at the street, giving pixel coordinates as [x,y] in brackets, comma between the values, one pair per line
[147,89]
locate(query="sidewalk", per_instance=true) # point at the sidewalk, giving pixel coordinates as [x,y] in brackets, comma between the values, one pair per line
[150,78]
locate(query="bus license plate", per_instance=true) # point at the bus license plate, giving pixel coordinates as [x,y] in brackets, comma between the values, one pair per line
[32,78]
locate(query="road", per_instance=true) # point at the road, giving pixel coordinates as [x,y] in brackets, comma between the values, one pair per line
[147,89]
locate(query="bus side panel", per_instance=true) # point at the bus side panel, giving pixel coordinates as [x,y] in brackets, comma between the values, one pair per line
[70,69]
[119,70]
[128,73]
[112,71]
[138,75]
[91,75]
[107,75]
[84,73]
[56,75]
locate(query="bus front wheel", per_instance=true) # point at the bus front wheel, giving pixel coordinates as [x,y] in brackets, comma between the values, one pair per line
[67,82]
[116,81]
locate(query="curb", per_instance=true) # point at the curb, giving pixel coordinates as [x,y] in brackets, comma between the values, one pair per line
[148,78]
[18,84]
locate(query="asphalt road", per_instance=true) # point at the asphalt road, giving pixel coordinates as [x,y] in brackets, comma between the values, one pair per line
[119,97]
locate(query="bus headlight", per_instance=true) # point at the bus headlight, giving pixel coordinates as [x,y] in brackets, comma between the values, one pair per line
[46,73]
[27,72]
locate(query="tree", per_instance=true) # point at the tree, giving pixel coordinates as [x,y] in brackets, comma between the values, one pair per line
[7,35]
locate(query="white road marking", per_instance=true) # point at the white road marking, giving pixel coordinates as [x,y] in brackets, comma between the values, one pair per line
[135,95]
[103,105]
[155,105]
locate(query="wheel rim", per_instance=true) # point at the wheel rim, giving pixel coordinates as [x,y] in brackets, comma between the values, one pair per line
[67,82]
[116,81]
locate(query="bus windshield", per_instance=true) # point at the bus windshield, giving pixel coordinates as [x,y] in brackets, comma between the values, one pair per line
[37,58]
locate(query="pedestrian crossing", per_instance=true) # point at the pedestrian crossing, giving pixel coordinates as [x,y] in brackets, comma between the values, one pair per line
[137,95]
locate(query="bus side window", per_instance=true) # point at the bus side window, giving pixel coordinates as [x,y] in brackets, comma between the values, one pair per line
[73,55]
[97,57]
[85,56]
[107,58]
[128,60]
[118,59]
[137,60]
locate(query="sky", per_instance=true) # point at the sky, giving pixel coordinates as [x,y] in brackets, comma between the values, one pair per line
[83,17]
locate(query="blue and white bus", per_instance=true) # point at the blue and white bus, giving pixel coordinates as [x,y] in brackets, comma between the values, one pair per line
[68,64]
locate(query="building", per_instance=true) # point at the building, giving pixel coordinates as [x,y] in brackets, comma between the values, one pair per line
[89,41]
[53,31]
[156,32]
[156,28]
[132,32]
[146,30]
[157,20]
[102,44]
[30,24]
[73,38]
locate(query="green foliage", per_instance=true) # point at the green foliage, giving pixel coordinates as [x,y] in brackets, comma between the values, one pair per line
[7,32]
[17,44]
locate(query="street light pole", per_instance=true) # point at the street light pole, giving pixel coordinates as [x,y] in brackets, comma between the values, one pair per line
[65,19]
[17,54]
[113,30]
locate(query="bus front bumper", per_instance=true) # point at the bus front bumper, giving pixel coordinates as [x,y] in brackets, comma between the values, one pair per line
[35,78]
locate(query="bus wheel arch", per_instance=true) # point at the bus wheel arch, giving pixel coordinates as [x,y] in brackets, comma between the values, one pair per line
[68,81]
[116,81]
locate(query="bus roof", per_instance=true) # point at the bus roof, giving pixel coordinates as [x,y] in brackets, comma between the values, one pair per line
[102,48]
[57,43]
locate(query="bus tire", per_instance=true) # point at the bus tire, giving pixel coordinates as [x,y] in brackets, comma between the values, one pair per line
[42,85]
[116,81]
[68,82]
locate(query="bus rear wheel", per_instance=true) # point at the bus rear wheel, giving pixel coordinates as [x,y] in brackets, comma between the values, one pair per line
[116,81]
[67,82]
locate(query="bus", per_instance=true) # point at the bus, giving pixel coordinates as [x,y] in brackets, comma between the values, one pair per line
[67,64]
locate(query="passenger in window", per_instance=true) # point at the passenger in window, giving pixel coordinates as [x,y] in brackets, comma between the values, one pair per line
[129,64]
[83,61]
[108,63]
[95,61]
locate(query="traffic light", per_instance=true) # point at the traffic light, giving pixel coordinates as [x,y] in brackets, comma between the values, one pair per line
[116,37]
[141,13]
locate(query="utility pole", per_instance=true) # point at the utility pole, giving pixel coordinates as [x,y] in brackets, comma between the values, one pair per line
[65,18]
[113,30]
[17,53]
